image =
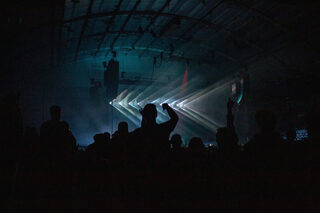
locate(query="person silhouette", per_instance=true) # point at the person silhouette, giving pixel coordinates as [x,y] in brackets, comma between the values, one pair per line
[123,128]
[151,140]
[99,149]
[176,142]
[120,146]
[226,137]
[178,154]
[149,115]
[49,129]
[265,148]
[11,138]
[121,131]
[56,136]
[68,143]
[11,130]
[196,155]
[196,147]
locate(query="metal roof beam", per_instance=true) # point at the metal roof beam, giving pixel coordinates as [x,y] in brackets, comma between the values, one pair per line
[139,12]
[248,42]
[153,20]
[109,25]
[151,50]
[125,32]
[200,20]
[124,24]
[177,6]
[262,15]
[84,26]
[284,28]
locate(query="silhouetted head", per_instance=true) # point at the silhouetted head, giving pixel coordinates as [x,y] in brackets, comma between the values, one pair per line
[227,139]
[123,128]
[99,138]
[266,120]
[115,134]
[149,114]
[196,145]
[176,141]
[64,127]
[106,136]
[55,112]
[222,134]
[96,137]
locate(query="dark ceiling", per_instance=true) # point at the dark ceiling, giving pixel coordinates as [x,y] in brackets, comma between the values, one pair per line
[212,31]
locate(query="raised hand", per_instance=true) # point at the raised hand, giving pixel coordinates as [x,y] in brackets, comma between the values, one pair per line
[230,104]
[165,106]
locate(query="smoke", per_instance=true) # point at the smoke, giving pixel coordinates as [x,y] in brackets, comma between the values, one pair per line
[201,109]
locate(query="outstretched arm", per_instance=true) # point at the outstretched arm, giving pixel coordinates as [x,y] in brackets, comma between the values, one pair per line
[230,117]
[173,116]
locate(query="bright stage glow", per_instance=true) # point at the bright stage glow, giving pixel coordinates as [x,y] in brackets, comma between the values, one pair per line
[204,107]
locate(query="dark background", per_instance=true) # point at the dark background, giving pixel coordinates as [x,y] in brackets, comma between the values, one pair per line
[49,50]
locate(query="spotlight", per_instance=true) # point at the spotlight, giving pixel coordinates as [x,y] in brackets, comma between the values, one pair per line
[180,105]
[131,104]
[110,102]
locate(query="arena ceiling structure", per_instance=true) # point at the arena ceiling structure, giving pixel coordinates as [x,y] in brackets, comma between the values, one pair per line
[273,39]
[229,33]
[193,54]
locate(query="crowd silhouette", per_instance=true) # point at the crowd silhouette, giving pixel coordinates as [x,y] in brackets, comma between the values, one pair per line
[147,171]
